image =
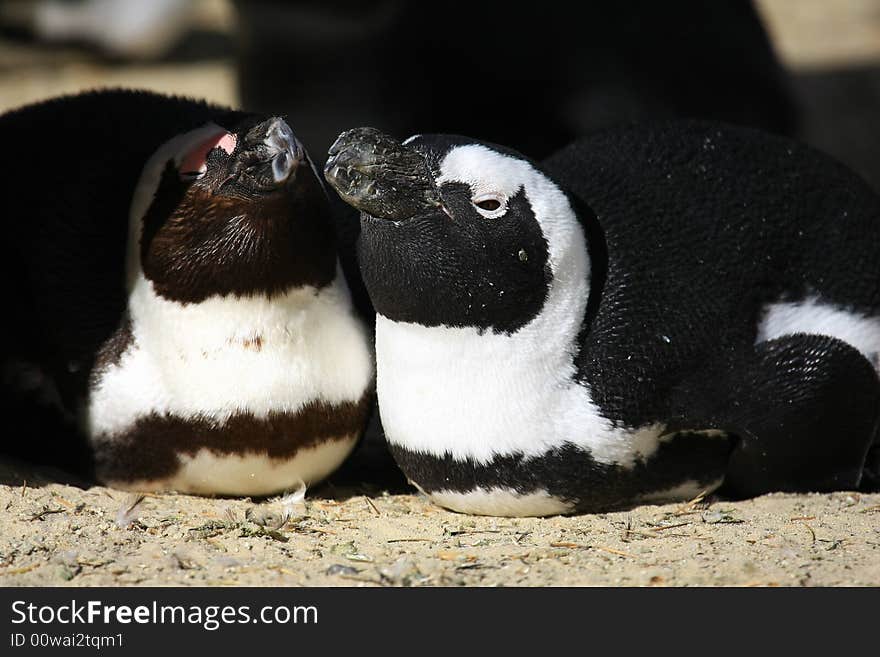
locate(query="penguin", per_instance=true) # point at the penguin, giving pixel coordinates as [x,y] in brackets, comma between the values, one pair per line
[647,61]
[654,312]
[177,297]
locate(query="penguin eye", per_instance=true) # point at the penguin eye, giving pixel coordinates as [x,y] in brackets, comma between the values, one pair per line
[490,205]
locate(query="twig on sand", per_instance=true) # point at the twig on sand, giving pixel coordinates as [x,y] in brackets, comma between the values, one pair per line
[585,546]
[22,570]
[812,533]
[613,551]
[459,532]
[66,502]
[654,531]
[46,511]
[688,507]
[372,505]
[663,528]
[319,530]
[284,571]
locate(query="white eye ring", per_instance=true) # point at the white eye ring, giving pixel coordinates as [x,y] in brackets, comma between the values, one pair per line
[490,205]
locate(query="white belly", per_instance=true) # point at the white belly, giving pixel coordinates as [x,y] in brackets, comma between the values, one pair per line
[480,396]
[227,357]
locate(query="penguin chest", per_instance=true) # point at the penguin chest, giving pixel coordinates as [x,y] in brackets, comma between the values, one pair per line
[250,411]
[490,424]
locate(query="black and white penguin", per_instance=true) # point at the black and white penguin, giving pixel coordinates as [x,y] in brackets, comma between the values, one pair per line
[177,294]
[653,312]
[639,61]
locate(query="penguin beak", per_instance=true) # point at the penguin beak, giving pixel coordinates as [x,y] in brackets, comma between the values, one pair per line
[380,176]
[269,157]
[285,150]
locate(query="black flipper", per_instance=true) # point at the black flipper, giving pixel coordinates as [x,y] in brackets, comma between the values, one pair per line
[805,414]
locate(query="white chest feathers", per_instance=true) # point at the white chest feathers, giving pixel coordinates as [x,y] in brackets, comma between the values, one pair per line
[479,396]
[226,357]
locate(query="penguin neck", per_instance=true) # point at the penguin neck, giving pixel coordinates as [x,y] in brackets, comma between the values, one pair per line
[229,322]
[478,394]
[147,186]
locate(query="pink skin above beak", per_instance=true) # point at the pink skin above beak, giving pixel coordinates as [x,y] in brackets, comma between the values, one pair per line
[195,161]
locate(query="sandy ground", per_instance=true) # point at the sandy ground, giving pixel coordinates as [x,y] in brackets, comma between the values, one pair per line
[55,533]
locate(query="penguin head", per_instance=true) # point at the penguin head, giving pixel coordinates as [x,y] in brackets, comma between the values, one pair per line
[254,160]
[455,232]
[238,210]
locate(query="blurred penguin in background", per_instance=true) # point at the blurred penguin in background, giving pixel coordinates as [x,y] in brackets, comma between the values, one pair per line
[125,29]
[484,68]
[498,70]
